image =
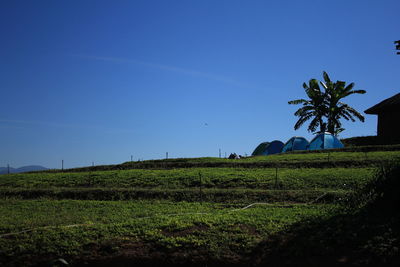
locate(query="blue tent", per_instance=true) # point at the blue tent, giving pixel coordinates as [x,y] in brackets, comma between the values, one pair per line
[295,143]
[268,148]
[325,141]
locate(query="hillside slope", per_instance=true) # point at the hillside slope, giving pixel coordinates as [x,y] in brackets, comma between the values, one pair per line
[30,168]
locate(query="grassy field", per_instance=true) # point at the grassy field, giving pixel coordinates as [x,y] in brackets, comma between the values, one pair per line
[69,227]
[309,159]
[307,178]
[310,156]
[181,212]
[237,185]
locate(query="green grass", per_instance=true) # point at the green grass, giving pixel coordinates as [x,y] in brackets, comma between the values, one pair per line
[326,155]
[257,178]
[183,184]
[308,159]
[299,159]
[364,232]
[333,156]
[48,215]
[218,231]
[240,195]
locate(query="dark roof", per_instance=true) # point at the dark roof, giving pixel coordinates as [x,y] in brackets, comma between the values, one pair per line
[391,103]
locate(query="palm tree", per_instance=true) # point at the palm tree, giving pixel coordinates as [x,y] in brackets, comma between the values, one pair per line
[314,108]
[326,105]
[334,93]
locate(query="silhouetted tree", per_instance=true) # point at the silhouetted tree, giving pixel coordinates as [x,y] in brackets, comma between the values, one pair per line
[397,43]
[314,108]
[334,93]
[325,108]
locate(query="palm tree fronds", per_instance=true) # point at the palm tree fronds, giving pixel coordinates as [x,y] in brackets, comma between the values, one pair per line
[325,105]
[301,121]
[298,101]
[326,77]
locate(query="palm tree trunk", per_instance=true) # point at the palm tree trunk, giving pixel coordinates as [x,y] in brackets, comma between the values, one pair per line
[331,126]
[321,126]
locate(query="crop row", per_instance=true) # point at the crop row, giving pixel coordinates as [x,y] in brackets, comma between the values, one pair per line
[223,178]
[243,196]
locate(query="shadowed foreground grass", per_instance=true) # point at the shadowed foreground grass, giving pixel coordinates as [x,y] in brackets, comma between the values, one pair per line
[33,231]
[365,231]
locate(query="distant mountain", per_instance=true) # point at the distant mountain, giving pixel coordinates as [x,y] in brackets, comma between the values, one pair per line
[31,168]
[3,170]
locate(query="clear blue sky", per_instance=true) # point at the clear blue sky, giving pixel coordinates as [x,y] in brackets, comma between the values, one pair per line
[99,81]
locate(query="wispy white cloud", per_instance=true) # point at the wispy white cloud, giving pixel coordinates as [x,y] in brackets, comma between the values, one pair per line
[171,69]
[54,124]
[21,124]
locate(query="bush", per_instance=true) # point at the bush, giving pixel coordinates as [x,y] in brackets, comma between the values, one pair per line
[382,193]
[361,141]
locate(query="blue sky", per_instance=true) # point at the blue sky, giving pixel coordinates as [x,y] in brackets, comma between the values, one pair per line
[99,81]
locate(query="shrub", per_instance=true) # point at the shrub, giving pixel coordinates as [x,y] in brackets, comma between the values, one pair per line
[382,193]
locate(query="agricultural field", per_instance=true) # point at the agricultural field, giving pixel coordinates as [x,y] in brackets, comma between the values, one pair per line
[72,227]
[351,157]
[189,214]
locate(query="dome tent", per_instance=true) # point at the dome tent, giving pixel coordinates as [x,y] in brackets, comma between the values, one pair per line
[325,141]
[259,149]
[295,143]
[268,148]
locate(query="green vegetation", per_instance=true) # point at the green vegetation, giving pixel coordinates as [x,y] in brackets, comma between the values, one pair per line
[309,178]
[364,232]
[326,105]
[241,185]
[346,157]
[361,141]
[70,227]
[314,108]
[193,215]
